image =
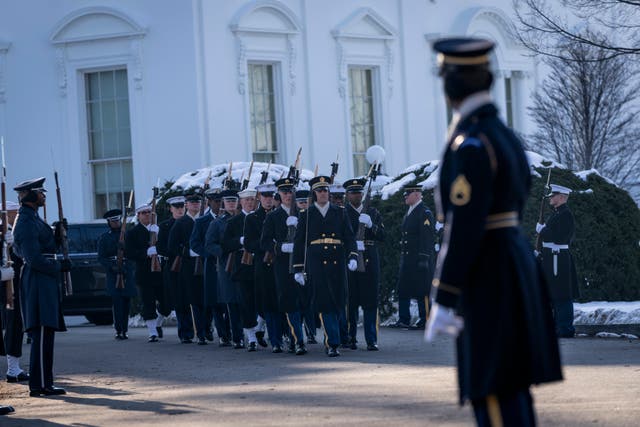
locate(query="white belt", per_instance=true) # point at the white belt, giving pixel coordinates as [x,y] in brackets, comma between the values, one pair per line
[553,246]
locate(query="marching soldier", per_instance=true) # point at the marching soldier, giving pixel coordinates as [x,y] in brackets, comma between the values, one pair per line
[336,194]
[214,311]
[275,240]
[557,234]
[228,293]
[14,325]
[6,273]
[308,314]
[363,286]
[35,243]
[169,277]
[108,246]
[324,244]
[486,271]
[266,295]
[417,258]
[190,293]
[241,271]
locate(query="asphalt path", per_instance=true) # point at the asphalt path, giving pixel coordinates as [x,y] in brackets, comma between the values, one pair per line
[406,383]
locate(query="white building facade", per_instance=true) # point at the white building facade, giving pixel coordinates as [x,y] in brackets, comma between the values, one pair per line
[116,94]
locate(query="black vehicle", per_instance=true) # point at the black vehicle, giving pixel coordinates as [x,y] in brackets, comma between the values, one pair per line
[89,297]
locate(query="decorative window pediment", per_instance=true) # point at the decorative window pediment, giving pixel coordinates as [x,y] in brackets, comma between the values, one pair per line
[265,17]
[95,24]
[365,23]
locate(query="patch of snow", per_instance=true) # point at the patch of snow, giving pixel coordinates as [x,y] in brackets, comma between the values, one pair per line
[584,174]
[629,336]
[607,335]
[395,186]
[607,313]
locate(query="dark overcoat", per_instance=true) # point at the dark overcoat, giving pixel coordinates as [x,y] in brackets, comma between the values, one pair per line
[137,244]
[264,276]
[486,266]
[188,288]
[166,260]
[364,286]
[107,257]
[274,234]
[41,278]
[228,292]
[557,261]
[417,253]
[197,242]
[326,263]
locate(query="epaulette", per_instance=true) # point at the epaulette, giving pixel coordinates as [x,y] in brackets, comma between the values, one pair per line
[463,141]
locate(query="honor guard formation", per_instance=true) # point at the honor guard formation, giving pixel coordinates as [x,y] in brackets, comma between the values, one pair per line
[268,266]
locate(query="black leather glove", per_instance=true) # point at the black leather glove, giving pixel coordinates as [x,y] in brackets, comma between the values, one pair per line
[65,265]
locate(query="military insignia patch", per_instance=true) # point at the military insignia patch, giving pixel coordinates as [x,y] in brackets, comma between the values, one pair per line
[460,191]
[426,222]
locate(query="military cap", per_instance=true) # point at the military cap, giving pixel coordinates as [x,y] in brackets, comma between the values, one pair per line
[266,189]
[246,193]
[112,215]
[285,184]
[213,194]
[31,185]
[407,189]
[336,190]
[302,195]
[143,208]
[176,200]
[354,185]
[319,181]
[463,51]
[229,194]
[193,197]
[558,189]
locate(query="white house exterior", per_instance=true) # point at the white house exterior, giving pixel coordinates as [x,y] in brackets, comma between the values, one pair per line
[115,94]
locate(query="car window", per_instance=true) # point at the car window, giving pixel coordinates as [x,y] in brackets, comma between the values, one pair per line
[83,238]
[74,237]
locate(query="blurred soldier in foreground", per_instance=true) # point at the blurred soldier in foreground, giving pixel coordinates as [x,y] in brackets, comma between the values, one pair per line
[557,234]
[488,289]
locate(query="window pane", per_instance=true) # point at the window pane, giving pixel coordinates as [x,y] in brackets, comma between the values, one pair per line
[262,110]
[122,87]
[93,90]
[109,144]
[95,144]
[108,115]
[95,116]
[362,116]
[100,178]
[107,85]
[122,114]
[124,143]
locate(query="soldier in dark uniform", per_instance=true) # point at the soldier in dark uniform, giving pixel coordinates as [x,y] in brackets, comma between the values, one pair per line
[275,239]
[35,243]
[214,310]
[242,273]
[308,313]
[176,208]
[417,258]
[190,288]
[336,194]
[364,285]
[13,323]
[228,292]
[324,244]
[556,235]
[6,274]
[266,295]
[486,272]
[120,278]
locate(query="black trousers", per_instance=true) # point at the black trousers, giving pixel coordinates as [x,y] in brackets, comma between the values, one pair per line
[221,320]
[121,306]
[505,410]
[153,301]
[14,333]
[41,362]
[248,304]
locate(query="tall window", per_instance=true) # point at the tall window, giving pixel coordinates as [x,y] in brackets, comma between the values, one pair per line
[362,116]
[264,138]
[107,101]
[508,101]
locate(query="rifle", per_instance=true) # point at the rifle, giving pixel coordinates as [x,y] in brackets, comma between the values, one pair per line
[538,246]
[334,169]
[294,174]
[153,237]
[245,183]
[66,277]
[198,267]
[371,176]
[264,175]
[6,257]
[120,256]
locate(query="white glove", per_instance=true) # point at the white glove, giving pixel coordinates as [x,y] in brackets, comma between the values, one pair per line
[442,320]
[366,220]
[353,265]
[437,247]
[242,240]
[193,253]
[292,221]
[536,253]
[153,228]
[439,226]
[6,273]
[8,238]
[360,245]
[152,251]
[287,248]
[299,277]
[539,227]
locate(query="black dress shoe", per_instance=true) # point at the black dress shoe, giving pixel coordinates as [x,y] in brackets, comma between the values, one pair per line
[311,340]
[4,410]
[300,350]
[353,345]
[22,376]
[187,341]
[291,349]
[345,345]
[252,346]
[276,349]
[159,331]
[238,345]
[153,338]
[372,347]
[419,326]
[333,352]
[47,391]
[119,336]
[224,342]
[261,340]
[209,335]
[400,325]
[202,341]
[125,336]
